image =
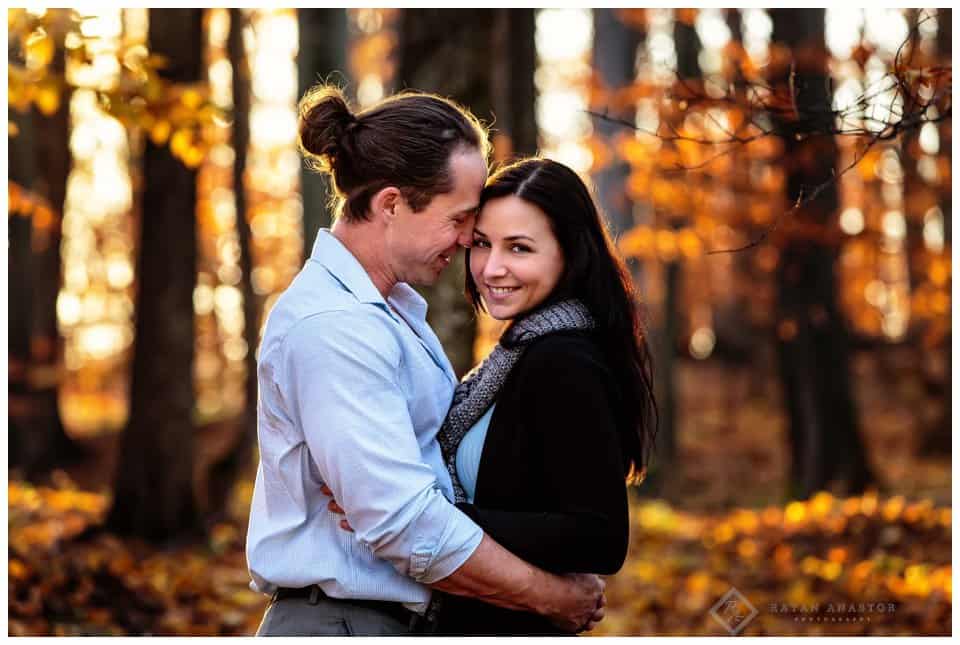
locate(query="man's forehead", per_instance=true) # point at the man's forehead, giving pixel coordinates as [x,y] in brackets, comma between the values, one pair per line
[469,165]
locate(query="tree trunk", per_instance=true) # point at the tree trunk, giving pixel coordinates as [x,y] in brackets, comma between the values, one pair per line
[40,440]
[323,47]
[666,338]
[22,169]
[663,349]
[218,482]
[734,21]
[614,61]
[513,93]
[154,493]
[938,440]
[447,51]
[812,340]
[945,48]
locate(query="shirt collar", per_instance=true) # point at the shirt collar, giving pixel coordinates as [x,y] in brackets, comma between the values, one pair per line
[330,252]
[406,299]
[341,263]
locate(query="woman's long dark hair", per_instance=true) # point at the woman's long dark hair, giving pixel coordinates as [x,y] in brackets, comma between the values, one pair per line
[594,274]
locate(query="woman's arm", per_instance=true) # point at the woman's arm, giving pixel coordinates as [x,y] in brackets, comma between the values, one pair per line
[555,541]
[584,523]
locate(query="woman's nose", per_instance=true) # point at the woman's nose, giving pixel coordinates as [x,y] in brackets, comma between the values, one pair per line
[495,267]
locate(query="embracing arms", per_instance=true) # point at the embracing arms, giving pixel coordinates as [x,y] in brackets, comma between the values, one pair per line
[343,389]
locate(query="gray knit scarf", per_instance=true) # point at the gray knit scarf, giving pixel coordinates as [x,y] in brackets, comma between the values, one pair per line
[480,387]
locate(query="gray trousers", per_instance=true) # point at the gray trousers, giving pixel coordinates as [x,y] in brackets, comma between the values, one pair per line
[297,617]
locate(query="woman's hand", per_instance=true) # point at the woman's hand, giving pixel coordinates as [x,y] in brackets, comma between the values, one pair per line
[333,506]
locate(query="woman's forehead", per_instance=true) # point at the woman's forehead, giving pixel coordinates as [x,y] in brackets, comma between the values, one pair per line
[511,216]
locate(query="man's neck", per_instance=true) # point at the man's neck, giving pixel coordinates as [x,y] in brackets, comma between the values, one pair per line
[365,241]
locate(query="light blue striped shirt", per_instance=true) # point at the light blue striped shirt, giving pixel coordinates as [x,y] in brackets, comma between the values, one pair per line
[352,396]
[469,452]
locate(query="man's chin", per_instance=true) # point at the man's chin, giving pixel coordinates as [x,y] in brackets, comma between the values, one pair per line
[427,279]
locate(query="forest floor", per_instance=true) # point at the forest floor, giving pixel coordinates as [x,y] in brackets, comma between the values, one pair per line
[720,551]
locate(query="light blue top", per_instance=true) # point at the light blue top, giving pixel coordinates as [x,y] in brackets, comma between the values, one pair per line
[352,395]
[469,451]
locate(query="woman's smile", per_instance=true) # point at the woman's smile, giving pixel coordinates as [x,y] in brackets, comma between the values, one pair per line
[500,292]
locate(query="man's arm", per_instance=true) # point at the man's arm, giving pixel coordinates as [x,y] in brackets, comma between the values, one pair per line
[492,574]
[495,575]
[340,371]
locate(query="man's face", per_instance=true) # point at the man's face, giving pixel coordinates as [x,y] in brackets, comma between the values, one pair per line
[423,244]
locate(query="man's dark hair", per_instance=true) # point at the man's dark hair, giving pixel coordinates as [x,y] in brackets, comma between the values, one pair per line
[405,140]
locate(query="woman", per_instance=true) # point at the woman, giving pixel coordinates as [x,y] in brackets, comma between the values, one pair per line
[541,436]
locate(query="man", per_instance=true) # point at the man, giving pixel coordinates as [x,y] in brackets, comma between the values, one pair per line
[353,386]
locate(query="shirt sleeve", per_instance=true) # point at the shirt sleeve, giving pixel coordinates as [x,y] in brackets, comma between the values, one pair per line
[341,369]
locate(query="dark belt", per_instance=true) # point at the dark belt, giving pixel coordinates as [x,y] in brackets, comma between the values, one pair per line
[313,594]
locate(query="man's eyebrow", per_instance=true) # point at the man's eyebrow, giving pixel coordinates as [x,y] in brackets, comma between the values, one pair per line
[477,231]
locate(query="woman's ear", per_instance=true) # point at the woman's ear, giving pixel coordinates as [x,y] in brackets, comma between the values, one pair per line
[386,203]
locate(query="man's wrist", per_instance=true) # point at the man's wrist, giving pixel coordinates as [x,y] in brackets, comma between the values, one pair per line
[541,591]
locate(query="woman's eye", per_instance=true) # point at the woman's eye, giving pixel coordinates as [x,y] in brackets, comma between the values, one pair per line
[481,243]
[520,248]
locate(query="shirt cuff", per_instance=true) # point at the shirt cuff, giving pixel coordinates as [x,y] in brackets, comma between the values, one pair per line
[435,560]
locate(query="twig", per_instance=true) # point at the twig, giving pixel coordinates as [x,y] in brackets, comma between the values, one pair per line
[789,121]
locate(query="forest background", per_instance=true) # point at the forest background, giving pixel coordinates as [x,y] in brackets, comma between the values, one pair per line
[778,180]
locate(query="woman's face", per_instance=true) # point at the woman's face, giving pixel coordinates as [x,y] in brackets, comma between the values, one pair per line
[515,259]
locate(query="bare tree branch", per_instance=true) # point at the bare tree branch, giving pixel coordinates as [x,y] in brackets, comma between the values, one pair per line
[907,110]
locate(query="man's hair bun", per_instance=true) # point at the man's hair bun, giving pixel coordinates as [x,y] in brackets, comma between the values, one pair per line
[324,120]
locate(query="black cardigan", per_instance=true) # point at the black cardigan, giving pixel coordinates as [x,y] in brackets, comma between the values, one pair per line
[550,486]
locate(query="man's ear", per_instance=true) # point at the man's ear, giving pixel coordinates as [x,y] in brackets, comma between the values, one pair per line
[386,203]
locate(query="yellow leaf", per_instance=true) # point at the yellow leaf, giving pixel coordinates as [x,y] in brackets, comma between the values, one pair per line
[747,548]
[180,142]
[795,512]
[193,156]
[191,98]
[821,504]
[160,132]
[43,218]
[19,93]
[47,100]
[17,570]
[40,49]
[830,570]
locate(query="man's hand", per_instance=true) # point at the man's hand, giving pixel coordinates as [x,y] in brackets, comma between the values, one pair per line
[582,606]
[333,506]
[598,613]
